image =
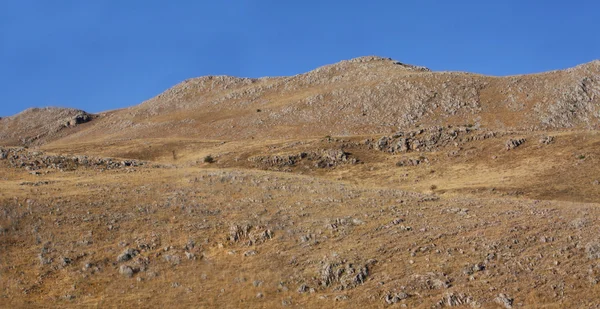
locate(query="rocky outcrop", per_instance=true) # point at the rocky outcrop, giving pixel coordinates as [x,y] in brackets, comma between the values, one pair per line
[514,143]
[343,275]
[428,139]
[36,160]
[37,126]
[324,158]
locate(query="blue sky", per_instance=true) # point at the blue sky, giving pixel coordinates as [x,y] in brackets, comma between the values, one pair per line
[102,55]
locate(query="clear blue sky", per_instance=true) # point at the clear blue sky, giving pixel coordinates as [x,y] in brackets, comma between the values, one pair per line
[107,54]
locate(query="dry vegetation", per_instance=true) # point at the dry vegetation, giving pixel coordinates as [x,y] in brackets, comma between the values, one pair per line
[431,190]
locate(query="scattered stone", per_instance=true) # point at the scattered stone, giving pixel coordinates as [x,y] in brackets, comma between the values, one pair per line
[504,300]
[303,288]
[456,299]
[238,232]
[305,238]
[343,275]
[190,245]
[66,261]
[173,259]
[396,297]
[126,271]
[382,143]
[69,297]
[127,255]
[281,287]
[473,269]
[411,161]
[547,140]
[34,184]
[514,143]
[458,211]
[579,223]
[431,281]
[593,250]
[397,221]
[43,260]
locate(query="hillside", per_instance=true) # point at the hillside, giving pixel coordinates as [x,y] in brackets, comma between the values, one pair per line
[368,95]
[367,183]
[36,126]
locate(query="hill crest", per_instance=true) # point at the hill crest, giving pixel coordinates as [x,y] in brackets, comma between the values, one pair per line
[365,95]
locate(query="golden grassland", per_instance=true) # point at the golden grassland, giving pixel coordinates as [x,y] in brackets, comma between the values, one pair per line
[527,216]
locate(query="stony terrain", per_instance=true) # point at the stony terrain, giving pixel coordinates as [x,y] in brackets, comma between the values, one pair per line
[367,183]
[37,126]
[368,95]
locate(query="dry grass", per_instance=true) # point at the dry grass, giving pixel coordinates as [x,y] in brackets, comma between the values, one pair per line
[345,99]
[323,216]
[469,221]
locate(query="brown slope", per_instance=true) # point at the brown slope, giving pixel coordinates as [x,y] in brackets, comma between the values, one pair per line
[361,96]
[37,126]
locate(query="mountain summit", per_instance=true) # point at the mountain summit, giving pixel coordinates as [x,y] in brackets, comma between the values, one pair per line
[365,95]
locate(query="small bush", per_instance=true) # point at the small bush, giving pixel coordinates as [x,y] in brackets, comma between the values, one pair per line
[209,159]
[581,157]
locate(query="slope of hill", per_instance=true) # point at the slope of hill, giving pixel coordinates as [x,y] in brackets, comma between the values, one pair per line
[367,183]
[368,95]
[36,126]
[362,96]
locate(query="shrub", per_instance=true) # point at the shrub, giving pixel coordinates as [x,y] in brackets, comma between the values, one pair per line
[209,159]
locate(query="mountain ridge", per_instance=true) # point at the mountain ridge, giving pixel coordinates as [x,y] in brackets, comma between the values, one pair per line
[365,95]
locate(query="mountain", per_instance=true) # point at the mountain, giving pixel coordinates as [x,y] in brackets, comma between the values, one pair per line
[367,95]
[368,183]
